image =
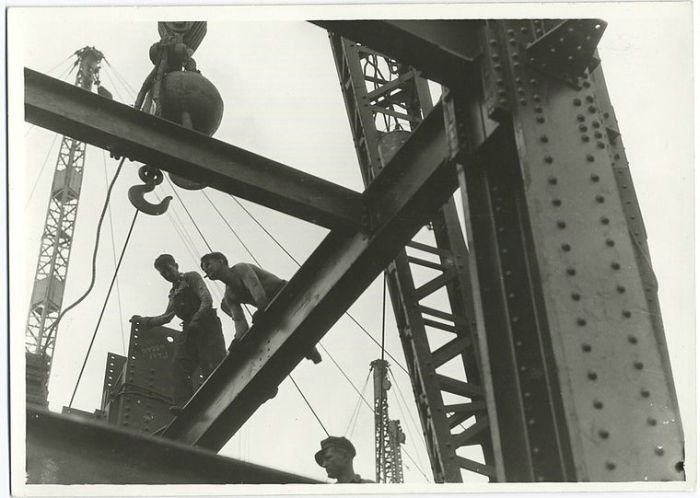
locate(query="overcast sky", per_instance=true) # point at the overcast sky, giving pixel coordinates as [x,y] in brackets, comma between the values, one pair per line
[282,100]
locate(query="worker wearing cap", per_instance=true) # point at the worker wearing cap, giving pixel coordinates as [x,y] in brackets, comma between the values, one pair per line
[202,341]
[336,455]
[245,284]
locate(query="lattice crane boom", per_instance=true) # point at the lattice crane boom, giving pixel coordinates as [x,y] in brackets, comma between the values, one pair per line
[388,433]
[56,243]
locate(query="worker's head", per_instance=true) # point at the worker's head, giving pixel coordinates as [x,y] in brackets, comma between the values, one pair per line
[336,456]
[167,267]
[214,265]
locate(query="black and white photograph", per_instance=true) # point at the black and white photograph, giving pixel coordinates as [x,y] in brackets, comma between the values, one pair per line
[423,248]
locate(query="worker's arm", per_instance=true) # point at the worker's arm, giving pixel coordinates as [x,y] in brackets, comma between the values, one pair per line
[252,283]
[239,321]
[196,283]
[233,308]
[156,321]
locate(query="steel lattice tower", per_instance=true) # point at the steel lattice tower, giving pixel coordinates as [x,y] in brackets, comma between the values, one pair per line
[384,99]
[56,242]
[388,433]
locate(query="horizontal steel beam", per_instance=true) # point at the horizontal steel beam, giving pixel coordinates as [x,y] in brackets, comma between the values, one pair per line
[85,116]
[442,50]
[65,449]
[416,182]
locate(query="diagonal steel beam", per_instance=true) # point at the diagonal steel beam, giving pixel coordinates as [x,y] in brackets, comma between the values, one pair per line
[87,117]
[443,50]
[416,182]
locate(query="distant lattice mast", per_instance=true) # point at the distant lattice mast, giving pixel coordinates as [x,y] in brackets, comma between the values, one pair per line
[56,242]
[388,433]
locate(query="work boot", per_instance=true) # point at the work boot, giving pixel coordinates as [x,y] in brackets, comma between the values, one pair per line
[314,356]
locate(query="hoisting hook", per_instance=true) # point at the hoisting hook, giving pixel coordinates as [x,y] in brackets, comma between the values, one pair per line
[151,177]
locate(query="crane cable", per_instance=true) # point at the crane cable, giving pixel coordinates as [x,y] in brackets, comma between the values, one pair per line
[206,242]
[367,333]
[104,306]
[361,396]
[114,260]
[405,370]
[309,405]
[188,214]
[41,171]
[356,410]
[258,263]
[51,330]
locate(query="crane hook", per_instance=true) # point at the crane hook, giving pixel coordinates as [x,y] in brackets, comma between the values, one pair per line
[136,196]
[151,177]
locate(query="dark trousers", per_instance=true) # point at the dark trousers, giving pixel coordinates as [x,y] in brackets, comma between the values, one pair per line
[200,345]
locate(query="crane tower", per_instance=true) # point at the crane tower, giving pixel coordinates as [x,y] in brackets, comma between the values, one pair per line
[56,242]
[388,433]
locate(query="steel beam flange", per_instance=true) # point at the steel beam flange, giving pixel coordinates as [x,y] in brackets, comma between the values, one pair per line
[568,50]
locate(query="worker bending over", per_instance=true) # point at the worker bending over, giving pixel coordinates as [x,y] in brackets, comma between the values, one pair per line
[336,455]
[245,284]
[201,342]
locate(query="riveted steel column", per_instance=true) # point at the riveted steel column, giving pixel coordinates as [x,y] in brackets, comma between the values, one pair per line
[565,278]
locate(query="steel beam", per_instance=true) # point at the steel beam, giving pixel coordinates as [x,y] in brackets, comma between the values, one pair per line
[109,455]
[442,50]
[104,123]
[414,184]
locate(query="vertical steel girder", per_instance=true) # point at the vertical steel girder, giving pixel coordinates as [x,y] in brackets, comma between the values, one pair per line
[575,337]
[380,94]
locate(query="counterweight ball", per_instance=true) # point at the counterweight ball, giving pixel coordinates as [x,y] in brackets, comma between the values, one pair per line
[188,98]
[185,92]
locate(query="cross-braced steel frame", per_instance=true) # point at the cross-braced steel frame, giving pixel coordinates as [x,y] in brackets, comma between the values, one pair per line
[562,328]
[384,97]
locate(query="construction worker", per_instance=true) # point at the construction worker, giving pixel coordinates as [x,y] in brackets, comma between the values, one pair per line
[336,455]
[201,342]
[245,284]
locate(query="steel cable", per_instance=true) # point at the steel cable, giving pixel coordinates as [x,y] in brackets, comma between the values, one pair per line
[367,333]
[104,306]
[114,259]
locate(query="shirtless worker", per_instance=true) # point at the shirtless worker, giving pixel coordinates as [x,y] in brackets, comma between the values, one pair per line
[245,284]
[201,342]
